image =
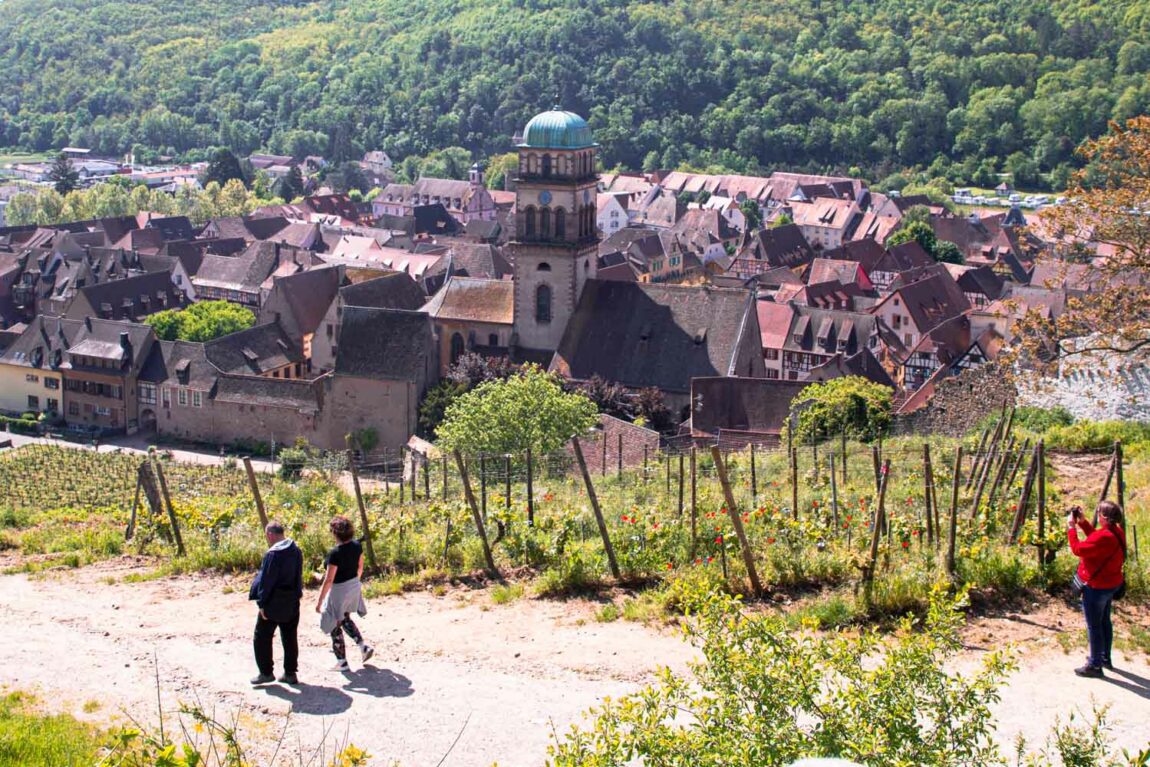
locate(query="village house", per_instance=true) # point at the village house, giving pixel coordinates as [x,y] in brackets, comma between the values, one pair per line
[395,290]
[31,367]
[472,315]
[247,278]
[611,212]
[464,200]
[660,336]
[766,249]
[795,339]
[914,309]
[130,298]
[826,222]
[100,369]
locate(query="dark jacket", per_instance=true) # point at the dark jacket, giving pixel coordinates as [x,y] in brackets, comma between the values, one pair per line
[278,586]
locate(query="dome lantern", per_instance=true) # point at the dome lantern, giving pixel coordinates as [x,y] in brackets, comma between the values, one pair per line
[557,129]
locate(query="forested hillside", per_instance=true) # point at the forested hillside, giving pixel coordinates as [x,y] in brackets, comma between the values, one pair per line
[821,84]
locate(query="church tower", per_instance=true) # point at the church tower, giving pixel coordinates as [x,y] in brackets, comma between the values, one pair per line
[556,243]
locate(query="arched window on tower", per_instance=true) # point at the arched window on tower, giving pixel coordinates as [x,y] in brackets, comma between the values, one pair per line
[456,347]
[529,223]
[546,165]
[543,303]
[545,223]
[560,224]
[543,267]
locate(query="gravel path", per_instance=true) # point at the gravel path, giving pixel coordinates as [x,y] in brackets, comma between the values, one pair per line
[513,673]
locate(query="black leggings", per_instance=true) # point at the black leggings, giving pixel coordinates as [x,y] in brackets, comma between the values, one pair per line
[337,644]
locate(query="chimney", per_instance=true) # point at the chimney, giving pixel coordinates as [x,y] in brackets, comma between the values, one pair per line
[126,345]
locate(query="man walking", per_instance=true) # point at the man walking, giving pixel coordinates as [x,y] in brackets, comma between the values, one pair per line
[277,591]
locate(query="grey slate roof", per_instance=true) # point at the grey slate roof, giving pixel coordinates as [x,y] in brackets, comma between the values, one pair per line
[391,291]
[304,396]
[253,351]
[387,344]
[757,405]
[643,335]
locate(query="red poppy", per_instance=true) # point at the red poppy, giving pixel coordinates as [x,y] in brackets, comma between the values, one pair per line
[654,525]
[905,544]
[670,566]
[710,559]
[718,539]
[770,540]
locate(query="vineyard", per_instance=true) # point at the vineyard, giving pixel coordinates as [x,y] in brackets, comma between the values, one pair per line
[807,517]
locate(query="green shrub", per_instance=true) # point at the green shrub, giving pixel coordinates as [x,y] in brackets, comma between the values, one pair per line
[31,739]
[1094,435]
[851,404]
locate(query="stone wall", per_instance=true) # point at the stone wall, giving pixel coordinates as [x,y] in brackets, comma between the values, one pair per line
[601,449]
[960,402]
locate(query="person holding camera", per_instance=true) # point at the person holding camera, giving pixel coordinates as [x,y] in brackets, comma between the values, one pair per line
[1099,576]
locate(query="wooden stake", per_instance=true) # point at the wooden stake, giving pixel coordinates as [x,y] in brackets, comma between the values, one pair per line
[667,466]
[754,477]
[1118,474]
[1017,464]
[171,511]
[135,505]
[985,471]
[877,524]
[368,548]
[603,455]
[402,500]
[795,482]
[483,487]
[834,494]
[1003,464]
[1041,502]
[426,461]
[694,499]
[530,490]
[1024,498]
[974,461]
[845,458]
[877,465]
[645,476]
[736,520]
[507,480]
[255,486]
[595,508]
[444,464]
[681,485]
[479,528]
[1106,484]
[953,527]
[619,458]
[927,484]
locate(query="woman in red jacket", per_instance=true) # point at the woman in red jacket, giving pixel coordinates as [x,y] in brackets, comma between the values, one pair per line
[1103,553]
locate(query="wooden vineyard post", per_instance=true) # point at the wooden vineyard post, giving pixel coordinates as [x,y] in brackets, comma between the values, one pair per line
[483,487]
[834,493]
[426,461]
[530,490]
[603,456]
[974,461]
[985,471]
[414,473]
[619,460]
[844,458]
[1017,465]
[368,547]
[644,464]
[1121,481]
[815,458]
[507,481]
[479,528]
[754,477]
[135,505]
[1024,498]
[667,466]
[736,520]
[1041,502]
[694,499]
[952,527]
[444,462]
[927,485]
[1000,474]
[876,463]
[681,457]
[171,511]
[795,482]
[402,500]
[876,525]
[1105,486]
[256,491]
[595,509]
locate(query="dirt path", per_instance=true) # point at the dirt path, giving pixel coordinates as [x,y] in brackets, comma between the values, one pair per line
[513,672]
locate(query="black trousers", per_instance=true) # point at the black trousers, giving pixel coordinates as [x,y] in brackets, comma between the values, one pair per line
[262,643]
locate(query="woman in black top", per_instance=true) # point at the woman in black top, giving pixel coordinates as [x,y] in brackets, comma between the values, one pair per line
[341,594]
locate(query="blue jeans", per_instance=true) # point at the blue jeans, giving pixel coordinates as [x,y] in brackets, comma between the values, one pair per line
[1096,608]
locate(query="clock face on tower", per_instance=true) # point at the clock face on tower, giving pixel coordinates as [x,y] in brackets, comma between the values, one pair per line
[545,197]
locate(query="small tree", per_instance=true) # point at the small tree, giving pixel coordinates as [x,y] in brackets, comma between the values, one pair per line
[752,213]
[435,404]
[63,175]
[223,167]
[201,322]
[609,397]
[918,231]
[852,404]
[290,186]
[529,409]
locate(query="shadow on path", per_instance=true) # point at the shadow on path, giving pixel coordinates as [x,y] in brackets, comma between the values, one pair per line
[1128,680]
[311,699]
[378,683]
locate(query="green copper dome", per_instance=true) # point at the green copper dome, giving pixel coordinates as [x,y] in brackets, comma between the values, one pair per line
[557,129]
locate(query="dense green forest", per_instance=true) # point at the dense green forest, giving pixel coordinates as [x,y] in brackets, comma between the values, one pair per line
[957,88]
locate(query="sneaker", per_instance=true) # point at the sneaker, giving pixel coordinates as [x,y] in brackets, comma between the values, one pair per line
[1107,665]
[289,679]
[341,665]
[368,652]
[262,679]
[1087,670]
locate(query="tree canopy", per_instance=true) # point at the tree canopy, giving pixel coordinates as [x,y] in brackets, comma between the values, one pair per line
[63,175]
[527,410]
[201,322]
[977,87]
[852,404]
